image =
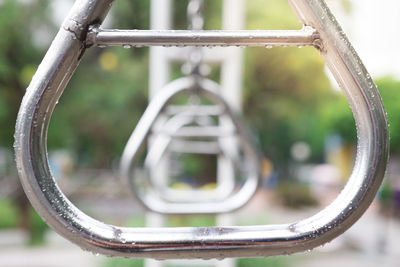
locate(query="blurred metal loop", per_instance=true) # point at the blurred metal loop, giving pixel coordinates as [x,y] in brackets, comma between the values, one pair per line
[163,142]
[149,196]
[61,61]
[176,127]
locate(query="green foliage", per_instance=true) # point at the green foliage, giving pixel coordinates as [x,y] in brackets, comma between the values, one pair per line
[137,221]
[386,194]
[134,14]
[8,214]
[123,263]
[337,117]
[267,262]
[18,55]
[38,229]
[283,102]
[272,14]
[390,92]
[197,221]
[10,218]
[288,97]
[106,106]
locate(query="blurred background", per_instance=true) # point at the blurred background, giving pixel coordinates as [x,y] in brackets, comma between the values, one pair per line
[304,125]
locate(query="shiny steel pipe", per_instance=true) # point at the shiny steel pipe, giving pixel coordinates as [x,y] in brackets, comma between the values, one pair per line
[99,37]
[150,198]
[205,242]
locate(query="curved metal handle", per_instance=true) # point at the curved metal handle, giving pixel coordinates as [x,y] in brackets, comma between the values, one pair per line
[161,143]
[210,242]
[150,198]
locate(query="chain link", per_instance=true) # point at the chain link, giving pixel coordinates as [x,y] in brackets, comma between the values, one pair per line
[195,14]
[195,18]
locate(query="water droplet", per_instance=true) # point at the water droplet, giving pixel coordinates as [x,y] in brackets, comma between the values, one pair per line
[118,233]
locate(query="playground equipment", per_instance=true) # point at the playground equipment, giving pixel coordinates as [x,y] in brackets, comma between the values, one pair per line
[81,30]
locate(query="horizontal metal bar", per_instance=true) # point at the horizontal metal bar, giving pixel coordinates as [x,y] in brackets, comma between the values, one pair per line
[195,147]
[268,38]
[197,131]
[194,110]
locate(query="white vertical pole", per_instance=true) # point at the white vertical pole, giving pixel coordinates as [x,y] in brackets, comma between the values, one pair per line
[233,18]
[231,85]
[160,19]
[161,11]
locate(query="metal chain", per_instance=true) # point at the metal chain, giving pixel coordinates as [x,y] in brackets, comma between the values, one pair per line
[195,18]
[195,14]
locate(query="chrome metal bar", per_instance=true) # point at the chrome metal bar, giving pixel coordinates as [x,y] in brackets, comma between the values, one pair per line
[195,110]
[195,147]
[196,131]
[268,38]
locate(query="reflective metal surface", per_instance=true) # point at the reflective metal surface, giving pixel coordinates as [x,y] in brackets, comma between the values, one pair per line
[163,143]
[305,37]
[150,197]
[207,242]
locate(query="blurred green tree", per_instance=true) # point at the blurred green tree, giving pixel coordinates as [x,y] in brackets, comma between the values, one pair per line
[389,89]
[288,97]
[18,56]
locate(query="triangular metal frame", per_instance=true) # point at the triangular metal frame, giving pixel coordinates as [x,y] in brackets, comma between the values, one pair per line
[151,199]
[60,62]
